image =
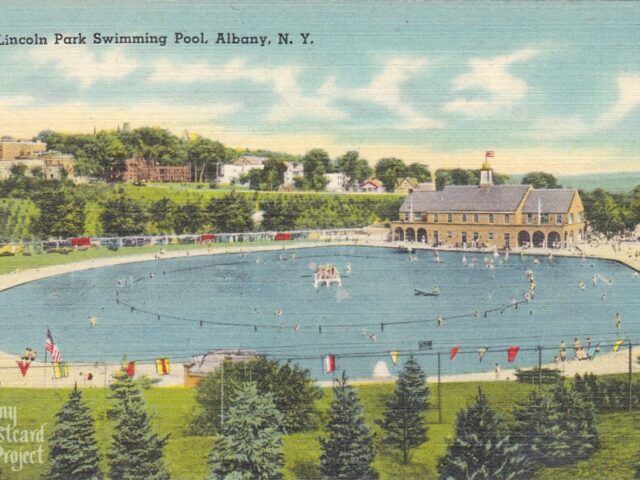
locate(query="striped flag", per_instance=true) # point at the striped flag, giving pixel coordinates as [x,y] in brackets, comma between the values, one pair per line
[490,154]
[51,347]
[162,366]
[329,363]
[60,370]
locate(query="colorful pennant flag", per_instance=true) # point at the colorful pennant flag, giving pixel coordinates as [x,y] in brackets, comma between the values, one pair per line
[454,352]
[394,357]
[512,353]
[60,370]
[616,346]
[329,363]
[481,352]
[130,369]
[24,366]
[162,366]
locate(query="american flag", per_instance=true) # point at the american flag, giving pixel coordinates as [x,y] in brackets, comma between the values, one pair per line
[490,154]
[52,348]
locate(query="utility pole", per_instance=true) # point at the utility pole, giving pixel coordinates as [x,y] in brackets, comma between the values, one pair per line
[439,393]
[539,368]
[222,395]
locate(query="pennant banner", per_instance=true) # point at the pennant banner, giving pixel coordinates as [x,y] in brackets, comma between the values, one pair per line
[394,357]
[454,352]
[512,353]
[24,366]
[616,346]
[60,370]
[162,366]
[329,363]
[130,369]
[481,352]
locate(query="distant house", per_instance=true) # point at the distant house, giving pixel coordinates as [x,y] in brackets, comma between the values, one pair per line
[405,185]
[293,170]
[10,150]
[50,163]
[202,365]
[232,172]
[143,170]
[337,182]
[373,185]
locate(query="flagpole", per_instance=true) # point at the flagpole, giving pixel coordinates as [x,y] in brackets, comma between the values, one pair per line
[44,368]
[439,393]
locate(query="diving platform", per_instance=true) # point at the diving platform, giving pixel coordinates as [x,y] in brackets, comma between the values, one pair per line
[326,275]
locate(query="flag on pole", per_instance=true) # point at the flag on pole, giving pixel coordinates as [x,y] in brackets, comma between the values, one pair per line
[130,368]
[24,366]
[60,370]
[454,351]
[490,154]
[616,346]
[481,352]
[162,366]
[512,353]
[329,363]
[51,347]
[394,357]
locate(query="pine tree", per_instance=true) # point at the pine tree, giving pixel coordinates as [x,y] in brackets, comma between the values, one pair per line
[482,448]
[537,428]
[136,451]
[404,423]
[250,447]
[577,419]
[348,452]
[73,450]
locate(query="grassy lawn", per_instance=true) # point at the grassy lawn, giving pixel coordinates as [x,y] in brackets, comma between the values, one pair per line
[186,455]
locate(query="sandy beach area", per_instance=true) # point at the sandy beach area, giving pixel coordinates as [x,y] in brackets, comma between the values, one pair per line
[41,375]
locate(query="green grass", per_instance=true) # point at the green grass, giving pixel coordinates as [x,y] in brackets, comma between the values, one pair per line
[186,456]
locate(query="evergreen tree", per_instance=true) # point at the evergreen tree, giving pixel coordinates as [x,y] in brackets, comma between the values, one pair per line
[136,451]
[404,423]
[577,419]
[482,448]
[537,428]
[73,450]
[348,452]
[61,215]
[250,447]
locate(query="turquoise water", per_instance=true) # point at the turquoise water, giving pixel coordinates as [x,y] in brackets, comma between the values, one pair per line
[272,295]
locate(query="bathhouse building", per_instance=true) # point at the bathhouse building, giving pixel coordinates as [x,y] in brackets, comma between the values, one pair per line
[488,215]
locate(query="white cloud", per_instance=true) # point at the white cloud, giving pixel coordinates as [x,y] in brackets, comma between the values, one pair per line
[491,76]
[293,103]
[628,100]
[84,65]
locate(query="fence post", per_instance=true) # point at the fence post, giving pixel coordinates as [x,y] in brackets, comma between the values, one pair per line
[439,393]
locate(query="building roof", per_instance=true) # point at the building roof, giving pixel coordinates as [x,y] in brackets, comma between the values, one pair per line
[372,181]
[250,160]
[467,198]
[556,200]
[412,181]
[212,360]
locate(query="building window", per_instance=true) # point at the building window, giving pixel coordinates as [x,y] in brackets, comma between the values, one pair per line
[449,217]
[416,216]
[544,218]
[579,216]
[491,219]
[507,219]
[476,217]
[476,236]
[507,240]
[558,218]
[449,234]
[529,218]
[435,218]
[490,235]
[571,218]
[464,218]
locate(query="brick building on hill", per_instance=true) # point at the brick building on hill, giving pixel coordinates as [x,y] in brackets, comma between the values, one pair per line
[143,170]
[502,216]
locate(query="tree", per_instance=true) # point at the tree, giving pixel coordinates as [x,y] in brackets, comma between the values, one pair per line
[418,171]
[204,154]
[604,213]
[389,170]
[316,163]
[136,451]
[293,391]
[188,218]
[122,216]
[162,214]
[347,452]
[404,423]
[61,215]
[73,449]
[106,155]
[356,169]
[231,213]
[540,180]
[279,214]
[250,447]
[482,448]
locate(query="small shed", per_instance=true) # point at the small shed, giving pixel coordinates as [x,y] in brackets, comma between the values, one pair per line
[206,363]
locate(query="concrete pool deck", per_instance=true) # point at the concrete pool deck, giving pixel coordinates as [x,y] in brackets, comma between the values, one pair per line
[40,375]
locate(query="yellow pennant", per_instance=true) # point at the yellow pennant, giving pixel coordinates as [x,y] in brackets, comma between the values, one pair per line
[60,370]
[394,357]
[616,346]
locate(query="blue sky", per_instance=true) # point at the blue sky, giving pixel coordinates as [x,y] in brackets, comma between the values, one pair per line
[552,86]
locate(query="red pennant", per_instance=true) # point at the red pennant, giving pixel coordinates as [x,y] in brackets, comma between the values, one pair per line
[131,368]
[512,353]
[453,353]
[24,366]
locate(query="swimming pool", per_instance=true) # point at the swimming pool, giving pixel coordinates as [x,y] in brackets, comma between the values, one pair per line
[266,301]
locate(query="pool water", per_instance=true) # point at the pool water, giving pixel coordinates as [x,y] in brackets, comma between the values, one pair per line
[266,301]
